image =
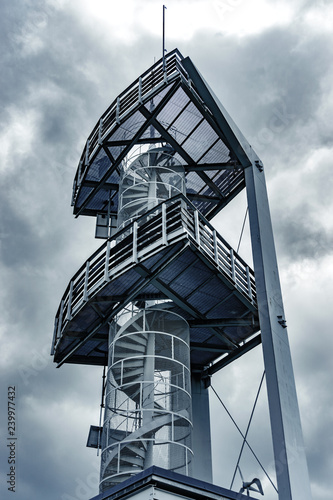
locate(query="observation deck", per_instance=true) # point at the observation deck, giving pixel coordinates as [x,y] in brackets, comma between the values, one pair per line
[164,106]
[170,253]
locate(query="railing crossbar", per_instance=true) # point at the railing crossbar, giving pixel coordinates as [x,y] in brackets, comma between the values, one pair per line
[158,227]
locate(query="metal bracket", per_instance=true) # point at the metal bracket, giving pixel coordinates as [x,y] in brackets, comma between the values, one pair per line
[207,380]
[259,165]
[282,321]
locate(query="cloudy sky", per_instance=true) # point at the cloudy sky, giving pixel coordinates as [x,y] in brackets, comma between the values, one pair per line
[62,63]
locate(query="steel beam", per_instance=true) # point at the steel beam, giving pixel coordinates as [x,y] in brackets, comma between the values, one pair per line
[289,453]
[218,322]
[232,356]
[234,138]
[290,460]
[151,120]
[201,440]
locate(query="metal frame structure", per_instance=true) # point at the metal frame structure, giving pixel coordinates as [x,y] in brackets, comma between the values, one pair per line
[172,253]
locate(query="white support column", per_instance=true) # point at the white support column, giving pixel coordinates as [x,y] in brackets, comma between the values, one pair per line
[201,440]
[289,453]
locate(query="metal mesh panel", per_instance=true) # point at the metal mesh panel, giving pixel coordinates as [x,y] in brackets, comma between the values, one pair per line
[84,193]
[201,140]
[158,97]
[99,166]
[186,122]
[129,127]
[174,107]
[148,403]
[218,153]
[116,151]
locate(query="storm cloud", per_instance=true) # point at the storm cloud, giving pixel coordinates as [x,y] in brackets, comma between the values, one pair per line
[61,67]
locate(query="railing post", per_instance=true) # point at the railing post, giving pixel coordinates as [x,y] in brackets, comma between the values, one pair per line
[85,289]
[249,289]
[196,227]
[61,313]
[87,152]
[100,131]
[107,261]
[164,225]
[135,242]
[216,257]
[69,306]
[74,192]
[118,110]
[232,260]
[80,173]
[140,90]
[54,340]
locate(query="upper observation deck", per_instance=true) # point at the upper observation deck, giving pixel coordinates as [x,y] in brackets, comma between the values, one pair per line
[170,253]
[177,107]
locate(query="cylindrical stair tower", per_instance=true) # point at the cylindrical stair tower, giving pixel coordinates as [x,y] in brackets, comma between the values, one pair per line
[148,405]
[148,179]
[148,401]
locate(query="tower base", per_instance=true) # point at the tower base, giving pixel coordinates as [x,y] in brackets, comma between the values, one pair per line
[156,483]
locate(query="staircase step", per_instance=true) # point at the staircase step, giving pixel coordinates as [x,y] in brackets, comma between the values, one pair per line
[134,363]
[130,460]
[130,345]
[136,449]
[132,373]
[139,338]
[127,354]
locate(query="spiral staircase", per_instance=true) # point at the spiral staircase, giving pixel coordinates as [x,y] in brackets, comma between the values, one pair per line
[147,404]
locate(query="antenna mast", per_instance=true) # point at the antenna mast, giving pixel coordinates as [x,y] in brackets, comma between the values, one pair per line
[163,43]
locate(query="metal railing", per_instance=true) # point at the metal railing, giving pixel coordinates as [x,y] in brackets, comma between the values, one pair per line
[140,90]
[163,225]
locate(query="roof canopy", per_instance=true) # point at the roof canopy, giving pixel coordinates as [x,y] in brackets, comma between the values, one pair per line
[177,107]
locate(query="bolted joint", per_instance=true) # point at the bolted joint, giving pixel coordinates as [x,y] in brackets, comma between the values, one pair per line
[282,322]
[206,379]
[259,165]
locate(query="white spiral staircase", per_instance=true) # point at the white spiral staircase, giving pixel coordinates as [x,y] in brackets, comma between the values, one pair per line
[143,417]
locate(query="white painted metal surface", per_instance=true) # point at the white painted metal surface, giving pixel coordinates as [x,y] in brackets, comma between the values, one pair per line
[148,407]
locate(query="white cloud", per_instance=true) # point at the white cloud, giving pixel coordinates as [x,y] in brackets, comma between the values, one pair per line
[128,20]
[17,139]
[241,18]
[319,16]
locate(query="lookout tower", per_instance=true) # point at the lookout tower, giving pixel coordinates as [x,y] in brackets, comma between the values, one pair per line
[166,302]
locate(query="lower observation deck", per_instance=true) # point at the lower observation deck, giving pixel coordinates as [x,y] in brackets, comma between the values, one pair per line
[170,253]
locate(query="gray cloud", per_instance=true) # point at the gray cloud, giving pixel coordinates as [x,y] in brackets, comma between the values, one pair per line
[57,78]
[300,236]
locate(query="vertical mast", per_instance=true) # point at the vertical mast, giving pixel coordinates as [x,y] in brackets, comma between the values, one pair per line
[163,40]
